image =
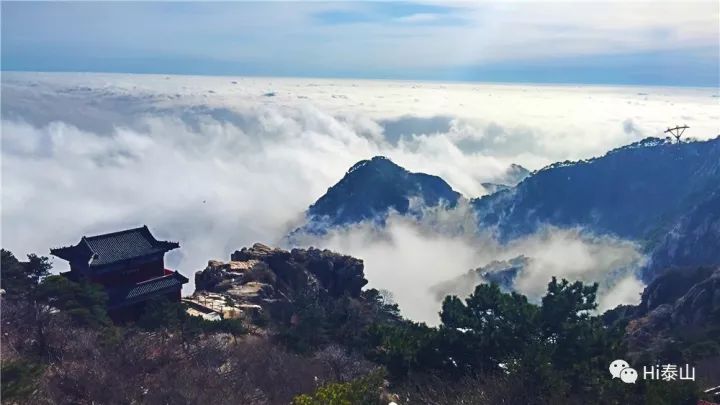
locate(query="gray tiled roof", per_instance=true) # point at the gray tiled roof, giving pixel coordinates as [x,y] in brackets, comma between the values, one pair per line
[115,247]
[146,289]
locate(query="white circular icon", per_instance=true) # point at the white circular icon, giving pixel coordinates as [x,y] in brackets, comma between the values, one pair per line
[617,366]
[628,375]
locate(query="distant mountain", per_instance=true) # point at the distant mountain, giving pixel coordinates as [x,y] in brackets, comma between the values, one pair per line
[515,174]
[493,188]
[512,176]
[371,188]
[501,272]
[636,192]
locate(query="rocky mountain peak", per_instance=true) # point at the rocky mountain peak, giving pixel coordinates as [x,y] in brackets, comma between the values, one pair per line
[370,190]
[375,163]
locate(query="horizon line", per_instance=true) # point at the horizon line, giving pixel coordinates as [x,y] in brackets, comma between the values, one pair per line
[371,78]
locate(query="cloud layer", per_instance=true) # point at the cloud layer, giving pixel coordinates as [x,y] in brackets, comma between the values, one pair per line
[220,163]
[422,261]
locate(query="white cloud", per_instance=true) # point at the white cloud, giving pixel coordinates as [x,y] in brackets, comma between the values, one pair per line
[418,18]
[414,259]
[575,255]
[405,261]
[217,165]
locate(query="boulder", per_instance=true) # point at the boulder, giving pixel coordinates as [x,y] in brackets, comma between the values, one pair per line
[258,251]
[215,277]
[251,292]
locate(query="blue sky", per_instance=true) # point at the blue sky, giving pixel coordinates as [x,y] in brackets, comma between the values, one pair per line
[658,43]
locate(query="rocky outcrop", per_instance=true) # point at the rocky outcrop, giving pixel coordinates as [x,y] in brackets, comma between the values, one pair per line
[269,279]
[334,273]
[680,305]
[220,276]
[670,287]
[648,333]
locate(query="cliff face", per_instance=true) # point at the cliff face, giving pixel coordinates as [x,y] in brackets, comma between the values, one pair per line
[681,307]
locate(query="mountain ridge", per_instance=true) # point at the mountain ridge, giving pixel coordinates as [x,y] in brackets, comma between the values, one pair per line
[620,193]
[639,192]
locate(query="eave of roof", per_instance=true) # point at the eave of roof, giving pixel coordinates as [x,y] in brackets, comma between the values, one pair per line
[115,247]
[145,290]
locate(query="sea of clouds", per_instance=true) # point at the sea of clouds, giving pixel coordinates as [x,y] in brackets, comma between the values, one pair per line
[218,163]
[415,259]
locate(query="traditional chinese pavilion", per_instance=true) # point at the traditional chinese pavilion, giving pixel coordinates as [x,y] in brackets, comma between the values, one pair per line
[129,264]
